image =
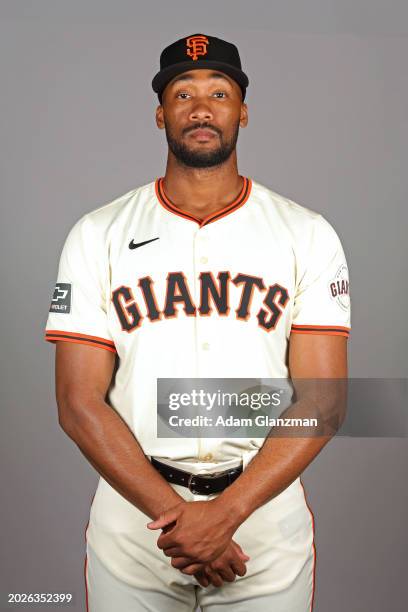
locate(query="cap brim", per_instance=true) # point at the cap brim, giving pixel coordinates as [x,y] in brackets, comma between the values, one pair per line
[163,77]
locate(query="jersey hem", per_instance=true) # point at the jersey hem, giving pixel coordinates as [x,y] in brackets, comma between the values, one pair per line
[330,330]
[56,334]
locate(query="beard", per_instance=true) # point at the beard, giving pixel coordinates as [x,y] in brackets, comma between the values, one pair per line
[202,159]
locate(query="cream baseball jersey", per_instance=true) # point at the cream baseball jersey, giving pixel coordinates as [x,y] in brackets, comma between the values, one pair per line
[176,297]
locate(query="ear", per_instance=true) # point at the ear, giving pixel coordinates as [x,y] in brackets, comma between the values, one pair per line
[159,117]
[243,121]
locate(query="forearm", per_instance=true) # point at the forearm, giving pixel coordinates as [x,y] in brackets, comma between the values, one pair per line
[109,445]
[288,450]
[278,463]
[112,449]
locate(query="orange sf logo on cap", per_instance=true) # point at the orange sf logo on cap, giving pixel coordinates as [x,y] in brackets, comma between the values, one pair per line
[197,45]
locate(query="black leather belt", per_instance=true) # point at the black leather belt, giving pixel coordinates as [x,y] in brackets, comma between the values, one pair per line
[199,484]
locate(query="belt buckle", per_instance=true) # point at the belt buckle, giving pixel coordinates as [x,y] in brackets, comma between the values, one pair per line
[210,477]
[189,484]
[207,477]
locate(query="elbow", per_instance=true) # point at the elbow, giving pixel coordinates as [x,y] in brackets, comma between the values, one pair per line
[66,422]
[68,415]
[326,401]
[333,412]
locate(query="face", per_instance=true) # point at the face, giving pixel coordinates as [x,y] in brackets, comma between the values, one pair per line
[201,112]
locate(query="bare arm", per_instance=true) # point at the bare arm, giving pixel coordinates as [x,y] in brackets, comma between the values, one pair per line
[83,376]
[282,459]
[278,463]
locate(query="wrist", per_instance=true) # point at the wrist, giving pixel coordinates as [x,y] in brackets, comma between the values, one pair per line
[165,505]
[232,509]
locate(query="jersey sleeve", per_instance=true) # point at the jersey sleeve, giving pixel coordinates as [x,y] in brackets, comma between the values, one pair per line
[78,310]
[322,298]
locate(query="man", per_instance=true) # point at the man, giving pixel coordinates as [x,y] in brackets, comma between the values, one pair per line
[203,273]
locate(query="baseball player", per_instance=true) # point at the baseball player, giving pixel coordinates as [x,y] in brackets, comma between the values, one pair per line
[201,273]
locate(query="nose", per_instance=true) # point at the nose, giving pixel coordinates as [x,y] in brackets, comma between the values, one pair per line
[201,112]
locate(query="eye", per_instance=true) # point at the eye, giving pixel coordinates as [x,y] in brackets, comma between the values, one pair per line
[222,93]
[181,93]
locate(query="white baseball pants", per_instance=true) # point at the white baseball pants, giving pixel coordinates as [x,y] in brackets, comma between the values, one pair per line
[278,537]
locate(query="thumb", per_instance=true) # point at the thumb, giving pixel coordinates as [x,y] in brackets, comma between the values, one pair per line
[164,519]
[243,556]
[240,552]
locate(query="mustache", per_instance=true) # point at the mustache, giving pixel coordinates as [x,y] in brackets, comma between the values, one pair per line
[202,126]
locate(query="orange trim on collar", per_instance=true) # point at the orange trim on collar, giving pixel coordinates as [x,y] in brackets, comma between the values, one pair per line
[226,210]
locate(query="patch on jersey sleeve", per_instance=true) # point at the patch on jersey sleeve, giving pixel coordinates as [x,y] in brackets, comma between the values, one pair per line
[61,300]
[339,287]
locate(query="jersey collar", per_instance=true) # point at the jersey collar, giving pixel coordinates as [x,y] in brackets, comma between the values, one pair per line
[226,210]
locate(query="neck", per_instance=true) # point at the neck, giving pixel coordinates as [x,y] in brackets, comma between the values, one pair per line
[202,191]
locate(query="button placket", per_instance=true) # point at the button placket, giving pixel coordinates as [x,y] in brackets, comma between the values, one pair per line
[201,258]
[203,341]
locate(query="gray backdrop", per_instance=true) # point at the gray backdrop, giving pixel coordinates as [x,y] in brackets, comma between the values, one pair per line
[327,128]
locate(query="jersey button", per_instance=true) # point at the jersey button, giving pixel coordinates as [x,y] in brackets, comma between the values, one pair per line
[207,457]
[204,260]
[206,346]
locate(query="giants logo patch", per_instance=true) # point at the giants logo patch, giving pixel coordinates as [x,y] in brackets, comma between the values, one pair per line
[61,300]
[197,45]
[339,288]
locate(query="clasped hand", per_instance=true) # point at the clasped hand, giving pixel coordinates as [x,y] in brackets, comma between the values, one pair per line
[198,538]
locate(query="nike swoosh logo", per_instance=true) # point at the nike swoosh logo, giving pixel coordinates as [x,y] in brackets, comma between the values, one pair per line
[136,245]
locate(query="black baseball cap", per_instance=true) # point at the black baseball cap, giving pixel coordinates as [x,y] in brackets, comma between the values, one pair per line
[199,51]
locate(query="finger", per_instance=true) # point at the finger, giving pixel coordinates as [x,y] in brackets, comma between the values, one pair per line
[244,556]
[213,576]
[166,540]
[241,557]
[180,562]
[202,579]
[189,561]
[226,573]
[239,568]
[174,551]
[240,551]
[164,519]
[191,569]
[215,579]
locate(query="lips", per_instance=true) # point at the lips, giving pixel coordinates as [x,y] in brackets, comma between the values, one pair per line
[202,134]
